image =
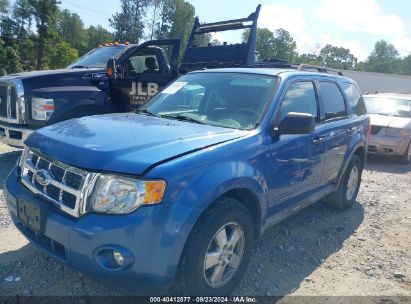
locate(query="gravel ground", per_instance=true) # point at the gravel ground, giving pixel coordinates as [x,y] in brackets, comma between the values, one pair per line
[364,251]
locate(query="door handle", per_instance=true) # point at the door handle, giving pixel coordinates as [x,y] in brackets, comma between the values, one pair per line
[351,130]
[318,140]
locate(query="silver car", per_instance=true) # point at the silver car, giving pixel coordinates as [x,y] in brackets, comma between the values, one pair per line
[390,125]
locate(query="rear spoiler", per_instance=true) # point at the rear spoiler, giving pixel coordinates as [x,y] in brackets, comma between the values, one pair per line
[213,56]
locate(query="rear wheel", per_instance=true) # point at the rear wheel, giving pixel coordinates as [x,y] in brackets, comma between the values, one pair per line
[347,191]
[406,157]
[218,250]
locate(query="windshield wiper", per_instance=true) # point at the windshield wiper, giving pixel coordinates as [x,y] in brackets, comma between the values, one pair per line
[184,118]
[79,67]
[146,112]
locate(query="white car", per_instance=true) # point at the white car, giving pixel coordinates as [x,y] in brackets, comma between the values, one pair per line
[390,125]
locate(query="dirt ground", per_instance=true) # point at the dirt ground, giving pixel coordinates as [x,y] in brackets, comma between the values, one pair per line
[364,251]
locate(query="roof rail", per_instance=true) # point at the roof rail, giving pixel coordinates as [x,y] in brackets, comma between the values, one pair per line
[317,68]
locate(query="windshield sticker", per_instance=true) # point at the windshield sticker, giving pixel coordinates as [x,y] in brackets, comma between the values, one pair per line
[174,87]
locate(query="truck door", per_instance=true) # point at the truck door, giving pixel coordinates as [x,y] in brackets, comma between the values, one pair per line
[142,72]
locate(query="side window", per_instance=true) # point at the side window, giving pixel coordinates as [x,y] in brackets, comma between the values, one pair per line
[141,63]
[300,97]
[354,98]
[332,100]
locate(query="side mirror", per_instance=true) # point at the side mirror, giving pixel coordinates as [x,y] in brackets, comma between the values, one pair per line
[296,123]
[111,69]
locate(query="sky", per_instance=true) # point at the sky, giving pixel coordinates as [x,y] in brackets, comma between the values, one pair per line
[353,24]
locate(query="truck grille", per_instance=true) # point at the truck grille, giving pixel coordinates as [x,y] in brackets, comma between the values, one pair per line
[63,186]
[8,101]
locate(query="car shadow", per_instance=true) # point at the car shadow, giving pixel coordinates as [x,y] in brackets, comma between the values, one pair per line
[285,256]
[386,165]
[7,162]
[291,251]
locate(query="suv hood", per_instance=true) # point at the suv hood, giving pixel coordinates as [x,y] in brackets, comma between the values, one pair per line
[125,143]
[44,73]
[390,121]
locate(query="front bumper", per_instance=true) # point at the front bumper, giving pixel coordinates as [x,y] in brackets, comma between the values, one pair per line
[13,136]
[385,145]
[155,237]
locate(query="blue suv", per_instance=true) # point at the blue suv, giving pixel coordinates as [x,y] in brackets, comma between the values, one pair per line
[178,193]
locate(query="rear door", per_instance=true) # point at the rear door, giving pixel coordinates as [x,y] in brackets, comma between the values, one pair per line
[143,72]
[335,117]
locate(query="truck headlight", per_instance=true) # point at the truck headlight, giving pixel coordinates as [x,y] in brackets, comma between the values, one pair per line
[42,108]
[394,132]
[120,195]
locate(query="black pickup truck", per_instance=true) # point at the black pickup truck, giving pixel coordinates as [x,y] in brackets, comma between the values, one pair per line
[113,78]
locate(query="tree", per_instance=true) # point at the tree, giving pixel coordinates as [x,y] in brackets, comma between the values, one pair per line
[264,43]
[182,19]
[71,29]
[406,65]
[62,55]
[97,35]
[9,59]
[285,48]
[383,59]
[45,13]
[23,14]
[128,24]
[337,57]
[4,5]
[309,59]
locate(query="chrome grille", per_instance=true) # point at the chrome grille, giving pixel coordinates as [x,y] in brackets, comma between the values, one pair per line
[12,103]
[66,186]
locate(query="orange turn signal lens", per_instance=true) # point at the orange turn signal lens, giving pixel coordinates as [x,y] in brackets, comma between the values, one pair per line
[154,192]
[109,72]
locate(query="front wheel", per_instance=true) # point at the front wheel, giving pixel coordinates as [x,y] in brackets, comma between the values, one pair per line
[218,250]
[343,198]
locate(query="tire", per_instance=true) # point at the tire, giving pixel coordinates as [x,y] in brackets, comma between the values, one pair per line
[344,197]
[406,157]
[229,217]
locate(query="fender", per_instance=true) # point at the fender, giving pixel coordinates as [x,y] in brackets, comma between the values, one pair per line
[358,141]
[223,178]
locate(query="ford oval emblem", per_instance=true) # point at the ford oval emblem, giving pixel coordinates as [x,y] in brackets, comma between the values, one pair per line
[43,177]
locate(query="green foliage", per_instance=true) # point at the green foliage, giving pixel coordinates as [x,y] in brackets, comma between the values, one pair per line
[61,55]
[9,59]
[4,4]
[337,57]
[36,34]
[279,45]
[383,59]
[71,29]
[406,65]
[97,35]
[128,23]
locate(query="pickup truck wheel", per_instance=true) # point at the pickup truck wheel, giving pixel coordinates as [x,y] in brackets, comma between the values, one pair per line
[349,186]
[406,157]
[218,250]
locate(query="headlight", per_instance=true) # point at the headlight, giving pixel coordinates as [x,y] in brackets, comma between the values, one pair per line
[120,195]
[41,108]
[395,132]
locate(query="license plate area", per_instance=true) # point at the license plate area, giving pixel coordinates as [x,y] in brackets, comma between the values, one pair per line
[31,216]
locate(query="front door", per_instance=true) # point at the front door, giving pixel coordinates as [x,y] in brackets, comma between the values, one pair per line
[296,160]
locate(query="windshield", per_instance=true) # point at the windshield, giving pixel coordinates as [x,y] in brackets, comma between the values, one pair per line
[230,100]
[97,58]
[388,106]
